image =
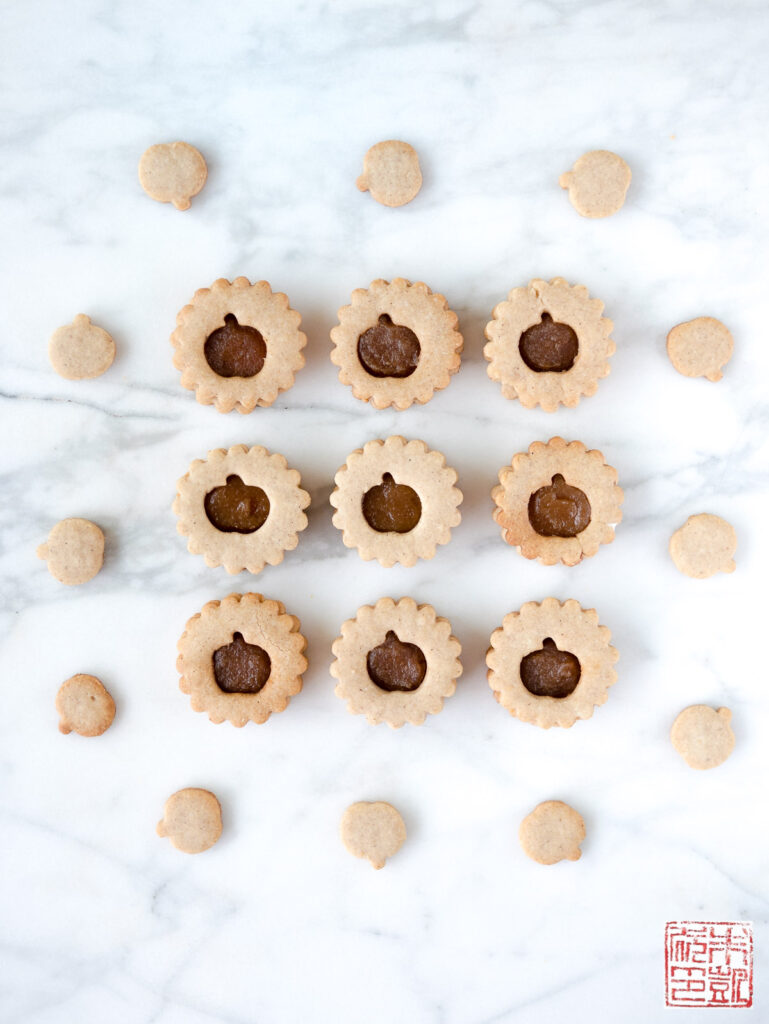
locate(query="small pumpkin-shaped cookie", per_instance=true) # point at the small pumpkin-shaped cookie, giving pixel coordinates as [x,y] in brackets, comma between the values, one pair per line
[391,173]
[700,347]
[703,736]
[374,830]
[74,551]
[192,820]
[597,183]
[172,172]
[552,832]
[704,546]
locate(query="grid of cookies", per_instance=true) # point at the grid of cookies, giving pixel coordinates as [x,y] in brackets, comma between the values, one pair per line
[238,345]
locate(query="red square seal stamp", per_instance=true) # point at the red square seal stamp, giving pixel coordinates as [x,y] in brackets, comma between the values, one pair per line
[708,963]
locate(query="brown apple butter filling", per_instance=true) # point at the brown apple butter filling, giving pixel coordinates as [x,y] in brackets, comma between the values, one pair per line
[549,346]
[235,350]
[395,666]
[237,507]
[391,507]
[388,349]
[549,672]
[559,510]
[240,667]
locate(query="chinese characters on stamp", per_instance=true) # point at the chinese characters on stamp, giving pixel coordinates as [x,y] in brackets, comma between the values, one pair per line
[708,963]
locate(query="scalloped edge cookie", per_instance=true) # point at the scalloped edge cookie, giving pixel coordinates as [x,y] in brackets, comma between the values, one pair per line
[424,312]
[411,463]
[260,621]
[414,624]
[581,468]
[242,551]
[254,305]
[573,629]
[523,308]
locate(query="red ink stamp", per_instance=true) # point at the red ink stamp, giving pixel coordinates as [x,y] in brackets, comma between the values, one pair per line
[708,963]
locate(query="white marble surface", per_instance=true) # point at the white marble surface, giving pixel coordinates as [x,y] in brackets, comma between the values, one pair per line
[101,920]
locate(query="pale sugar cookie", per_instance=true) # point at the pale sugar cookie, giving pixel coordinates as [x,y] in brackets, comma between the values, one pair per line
[391,173]
[548,344]
[241,508]
[238,345]
[74,551]
[241,659]
[396,663]
[552,832]
[700,348]
[551,663]
[597,183]
[395,501]
[373,830]
[81,350]
[396,343]
[703,546]
[172,172]
[84,706]
[558,502]
[703,736]
[192,820]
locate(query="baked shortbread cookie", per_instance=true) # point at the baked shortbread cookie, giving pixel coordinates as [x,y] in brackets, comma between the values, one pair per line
[241,659]
[703,546]
[558,502]
[396,343]
[548,344]
[396,662]
[703,736]
[395,501]
[241,508]
[597,183]
[700,348]
[84,706]
[372,830]
[81,350]
[551,663]
[238,345]
[172,172]
[74,551]
[552,832]
[192,820]
[391,173]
